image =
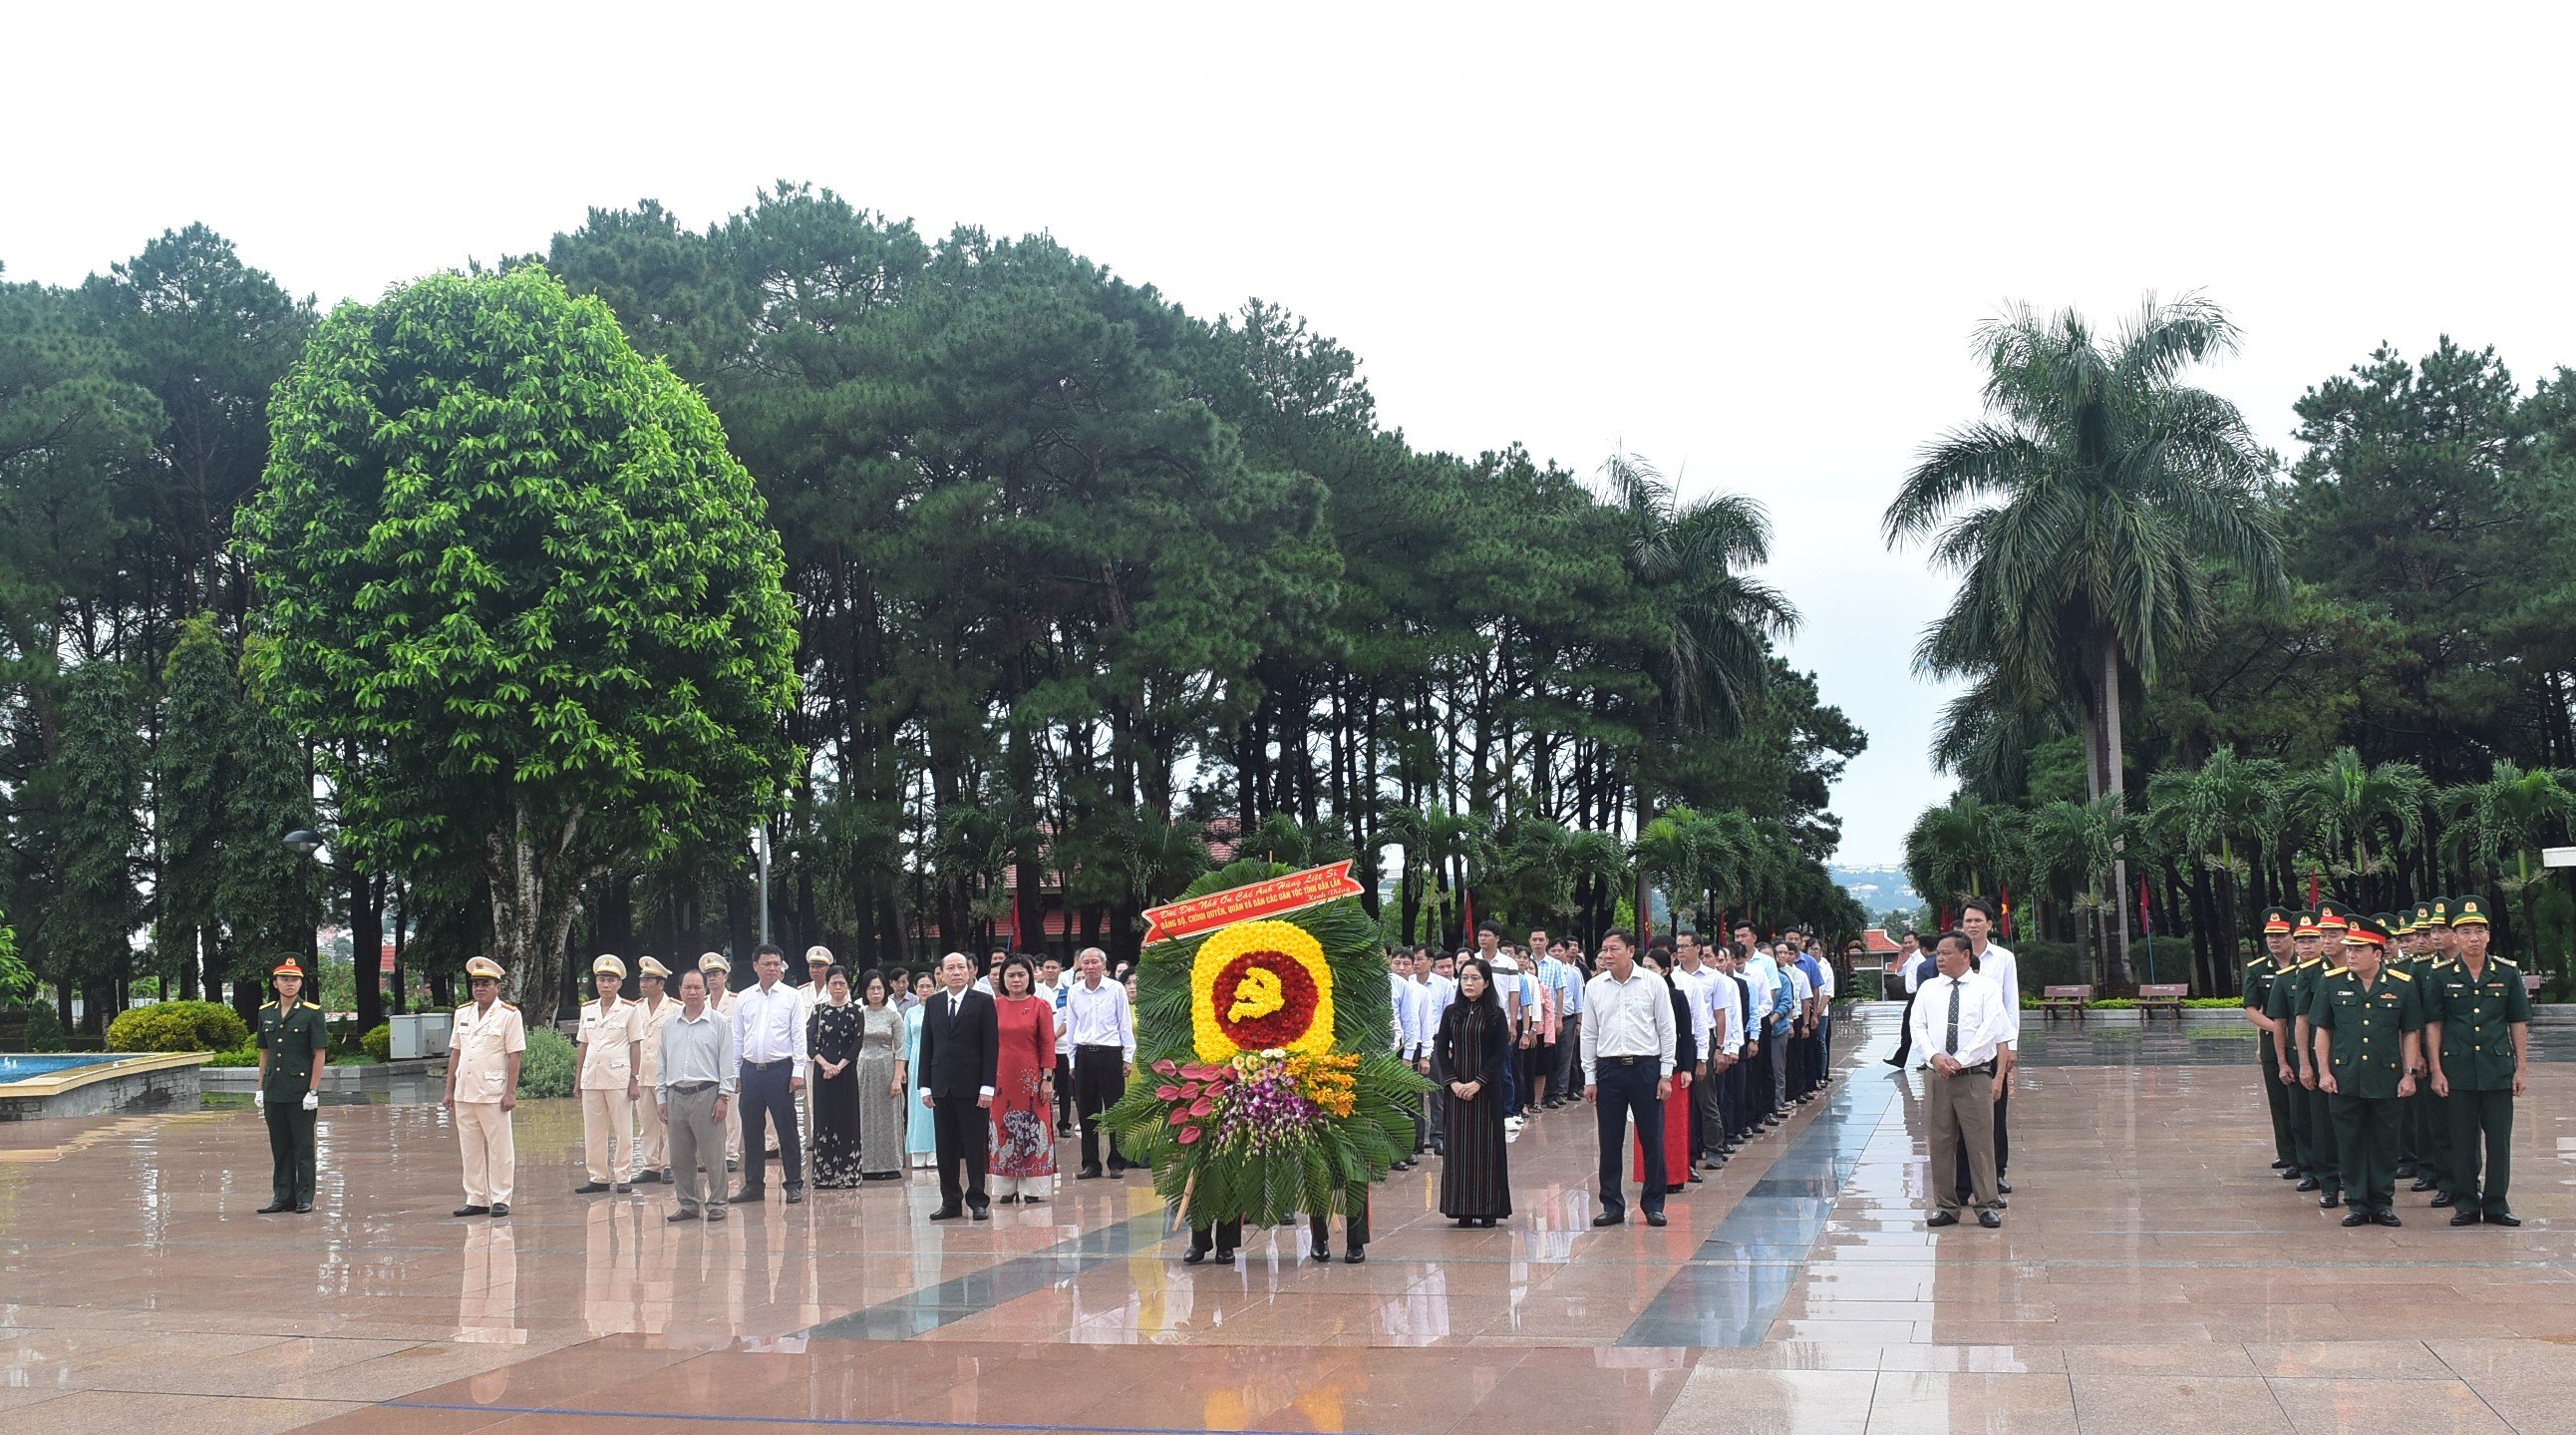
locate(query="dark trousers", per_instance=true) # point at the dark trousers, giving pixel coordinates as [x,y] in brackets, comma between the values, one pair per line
[1965,1185]
[1628,1092]
[2368,1131]
[1511,1083]
[2276,1096]
[1730,1099]
[2324,1141]
[1065,1110]
[1905,1031]
[961,1129]
[1100,1076]
[2481,1133]
[1708,1121]
[1568,1080]
[1355,1220]
[2428,1127]
[763,1093]
[290,1152]
[1224,1236]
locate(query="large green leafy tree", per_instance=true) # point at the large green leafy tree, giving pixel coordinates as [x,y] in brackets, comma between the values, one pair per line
[2085,517]
[86,830]
[512,563]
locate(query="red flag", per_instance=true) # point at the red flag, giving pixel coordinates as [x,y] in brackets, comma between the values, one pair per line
[1468,935]
[2313,893]
[2146,921]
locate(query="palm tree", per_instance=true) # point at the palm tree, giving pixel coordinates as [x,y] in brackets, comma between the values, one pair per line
[2350,803]
[2207,813]
[1967,847]
[2083,517]
[2073,848]
[2513,811]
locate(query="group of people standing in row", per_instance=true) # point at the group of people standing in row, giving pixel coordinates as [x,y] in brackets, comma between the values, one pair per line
[2392,1048]
[868,1076]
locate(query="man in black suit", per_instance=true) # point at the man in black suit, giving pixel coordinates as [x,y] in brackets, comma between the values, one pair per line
[960,1048]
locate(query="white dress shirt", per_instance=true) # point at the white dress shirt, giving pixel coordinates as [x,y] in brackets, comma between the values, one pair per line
[1764,974]
[1099,1016]
[1912,971]
[1997,964]
[1726,1010]
[769,1025]
[1985,1022]
[1630,1018]
[1694,985]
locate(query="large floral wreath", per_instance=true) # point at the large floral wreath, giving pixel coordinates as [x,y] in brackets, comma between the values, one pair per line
[1266,1086]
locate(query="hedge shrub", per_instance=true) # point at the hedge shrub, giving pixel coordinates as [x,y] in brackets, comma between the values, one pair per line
[44,1028]
[239,1056]
[178,1026]
[379,1041]
[548,1066]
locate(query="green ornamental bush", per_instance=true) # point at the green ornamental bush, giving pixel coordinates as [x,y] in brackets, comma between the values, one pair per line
[378,1042]
[44,1029]
[547,1068]
[239,1056]
[178,1026]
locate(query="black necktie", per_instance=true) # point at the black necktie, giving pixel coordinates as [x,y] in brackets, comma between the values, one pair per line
[1950,1046]
[954,1003]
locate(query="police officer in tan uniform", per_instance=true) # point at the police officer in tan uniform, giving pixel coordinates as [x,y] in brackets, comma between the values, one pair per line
[652,1134]
[483,1059]
[611,1052]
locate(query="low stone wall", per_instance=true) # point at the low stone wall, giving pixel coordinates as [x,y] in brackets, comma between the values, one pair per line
[245,1079]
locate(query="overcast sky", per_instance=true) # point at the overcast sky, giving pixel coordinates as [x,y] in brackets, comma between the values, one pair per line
[1750,249]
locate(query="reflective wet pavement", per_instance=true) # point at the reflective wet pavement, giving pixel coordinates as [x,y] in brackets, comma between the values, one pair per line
[2151,1274]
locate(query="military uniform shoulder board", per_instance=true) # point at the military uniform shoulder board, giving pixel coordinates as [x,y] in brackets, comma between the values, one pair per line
[2258,961]
[2337,971]
[2505,962]
[268,1006]
[312,1006]
[514,1006]
[2403,976]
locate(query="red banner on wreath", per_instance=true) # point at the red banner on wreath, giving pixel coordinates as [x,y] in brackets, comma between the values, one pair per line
[1310,888]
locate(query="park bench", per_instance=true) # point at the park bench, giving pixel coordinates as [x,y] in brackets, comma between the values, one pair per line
[2531,983]
[2154,997]
[2053,1000]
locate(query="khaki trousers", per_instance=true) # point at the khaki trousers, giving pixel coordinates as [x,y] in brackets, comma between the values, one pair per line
[1962,1113]
[491,1156]
[607,1114]
[652,1139]
[697,1136]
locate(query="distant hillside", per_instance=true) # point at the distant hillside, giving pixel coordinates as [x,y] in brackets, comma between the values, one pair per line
[1879,890]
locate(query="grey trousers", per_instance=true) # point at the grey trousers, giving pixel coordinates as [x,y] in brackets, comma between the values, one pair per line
[697,1136]
[1961,1109]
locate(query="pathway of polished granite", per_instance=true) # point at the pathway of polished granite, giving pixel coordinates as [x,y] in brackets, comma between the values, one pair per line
[135,1291]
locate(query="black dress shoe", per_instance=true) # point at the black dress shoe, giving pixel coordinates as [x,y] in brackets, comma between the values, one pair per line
[1321,1255]
[623,1188]
[2292,1173]
[2442,1200]
[1990,1219]
[2003,1185]
[2356,1217]
[1193,1256]
[1697,1179]
[2307,1183]
[276,1208]
[2388,1218]
[2405,1170]
[1610,1218]
[982,1213]
[2464,1217]
[304,1208]
[2502,1218]
[1357,1256]
[590,1188]
[946,1213]
[681,1216]
[471,1211]
[2282,1165]
[2329,1201]
[500,1209]
[2424,1183]
[1941,1218]
[1087,1173]
[1655,1218]
[795,1195]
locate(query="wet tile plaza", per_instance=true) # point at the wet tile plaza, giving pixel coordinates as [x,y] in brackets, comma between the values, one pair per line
[2152,1274]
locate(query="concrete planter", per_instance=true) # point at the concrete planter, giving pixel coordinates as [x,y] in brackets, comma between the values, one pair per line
[148,1081]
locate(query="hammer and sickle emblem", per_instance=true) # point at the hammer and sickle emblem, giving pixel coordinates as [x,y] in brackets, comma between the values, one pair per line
[1257,995]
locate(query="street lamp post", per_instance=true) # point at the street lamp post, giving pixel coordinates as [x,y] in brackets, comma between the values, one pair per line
[304,842]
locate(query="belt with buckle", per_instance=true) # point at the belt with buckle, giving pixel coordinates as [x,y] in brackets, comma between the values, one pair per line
[765,1065]
[692,1088]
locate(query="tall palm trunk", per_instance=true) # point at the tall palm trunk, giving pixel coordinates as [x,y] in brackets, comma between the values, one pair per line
[2102,748]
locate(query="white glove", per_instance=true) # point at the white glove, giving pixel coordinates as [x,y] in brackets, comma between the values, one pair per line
[313,1101]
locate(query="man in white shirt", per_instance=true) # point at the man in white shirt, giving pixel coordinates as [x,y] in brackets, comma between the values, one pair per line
[1764,1051]
[1628,1047]
[769,1038]
[1100,1032]
[1050,989]
[1716,1045]
[1913,968]
[1960,1026]
[1995,962]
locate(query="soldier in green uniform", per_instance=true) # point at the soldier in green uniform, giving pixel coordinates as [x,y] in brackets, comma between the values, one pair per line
[2401,957]
[2284,1007]
[292,1051]
[2332,922]
[2260,976]
[2477,1035]
[2367,1019]
[2427,1114]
